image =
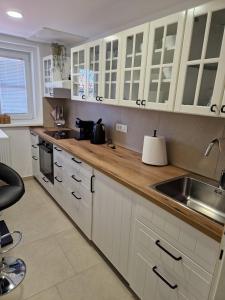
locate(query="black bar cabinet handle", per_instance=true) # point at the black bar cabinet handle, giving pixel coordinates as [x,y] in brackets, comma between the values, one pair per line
[223,109]
[213,108]
[76,161]
[34,157]
[57,165]
[78,198]
[57,179]
[143,102]
[77,180]
[97,98]
[33,133]
[138,102]
[34,146]
[92,183]
[101,99]
[83,97]
[45,180]
[57,149]
[173,287]
[167,252]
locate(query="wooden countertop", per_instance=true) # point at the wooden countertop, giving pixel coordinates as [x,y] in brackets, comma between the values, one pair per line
[125,166]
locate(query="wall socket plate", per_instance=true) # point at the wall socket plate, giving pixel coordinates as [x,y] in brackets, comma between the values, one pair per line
[121,127]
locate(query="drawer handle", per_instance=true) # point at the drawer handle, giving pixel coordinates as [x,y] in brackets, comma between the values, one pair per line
[167,252]
[92,183]
[78,198]
[33,133]
[76,161]
[33,146]
[57,165]
[57,149]
[34,157]
[173,287]
[45,180]
[57,179]
[77,180]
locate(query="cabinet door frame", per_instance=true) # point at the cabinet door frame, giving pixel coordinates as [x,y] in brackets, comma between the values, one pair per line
[46,59]
[112,38]
[77,49]
[222,108]
[208,9]
[88,46]
[178,18]
[132,32]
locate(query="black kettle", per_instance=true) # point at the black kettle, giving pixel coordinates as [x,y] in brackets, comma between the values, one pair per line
[98,133]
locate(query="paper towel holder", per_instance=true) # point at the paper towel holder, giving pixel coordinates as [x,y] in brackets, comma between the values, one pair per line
[154,150]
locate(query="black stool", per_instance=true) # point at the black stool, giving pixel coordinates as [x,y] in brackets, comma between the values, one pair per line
[12,270]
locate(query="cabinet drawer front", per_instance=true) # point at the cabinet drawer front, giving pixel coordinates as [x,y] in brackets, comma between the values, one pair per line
[74,162]
[199,247]
[78,178]
[172,264]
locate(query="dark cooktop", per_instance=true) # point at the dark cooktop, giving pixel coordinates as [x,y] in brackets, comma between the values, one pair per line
[62,134]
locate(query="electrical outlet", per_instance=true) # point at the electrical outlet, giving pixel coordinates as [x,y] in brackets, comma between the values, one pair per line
[121,127]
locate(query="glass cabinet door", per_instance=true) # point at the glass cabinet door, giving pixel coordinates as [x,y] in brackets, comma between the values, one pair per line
[133,65]
[48,76]
[111,68]
[94,59]
[165,40]
[202,74]
[78,73]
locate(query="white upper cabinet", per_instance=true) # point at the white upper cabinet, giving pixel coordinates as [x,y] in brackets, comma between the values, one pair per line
[164,49]
[111,58]
[202,71]
[94,71]
[48,75]
[133,63]
[78,73]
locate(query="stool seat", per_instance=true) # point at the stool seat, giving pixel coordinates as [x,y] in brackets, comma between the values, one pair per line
[13,189]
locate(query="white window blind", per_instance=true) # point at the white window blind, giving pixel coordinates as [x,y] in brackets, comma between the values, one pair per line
[15,84]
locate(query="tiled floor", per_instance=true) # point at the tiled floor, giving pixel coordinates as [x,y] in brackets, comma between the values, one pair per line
[61,265]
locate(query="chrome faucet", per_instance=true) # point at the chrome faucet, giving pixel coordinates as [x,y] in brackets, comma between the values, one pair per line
[217,141]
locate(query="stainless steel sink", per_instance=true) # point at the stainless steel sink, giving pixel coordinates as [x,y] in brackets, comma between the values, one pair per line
[197,195]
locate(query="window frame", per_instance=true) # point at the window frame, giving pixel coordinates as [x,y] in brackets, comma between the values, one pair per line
[35,105]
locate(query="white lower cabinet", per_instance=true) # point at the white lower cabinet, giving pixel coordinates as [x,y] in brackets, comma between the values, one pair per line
[169,259]
[112,208]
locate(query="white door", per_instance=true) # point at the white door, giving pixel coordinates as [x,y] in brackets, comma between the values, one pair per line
[164,50]
[78,73]
[111,57]
[48,75]
[133,63]
[112,205]
[94,71]
[202,72]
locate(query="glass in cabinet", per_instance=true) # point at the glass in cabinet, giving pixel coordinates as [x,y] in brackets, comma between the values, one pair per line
[48,75]
[111,68]
[134,45]
[202,72]
[94,62]
[164,49]
[78,73]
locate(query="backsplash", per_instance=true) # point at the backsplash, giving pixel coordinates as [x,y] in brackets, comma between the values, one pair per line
[187,135]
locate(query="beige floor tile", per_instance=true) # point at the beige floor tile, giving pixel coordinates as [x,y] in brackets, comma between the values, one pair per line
[78,251]
[36,215]
[46,266]
[97,283]
[50,294]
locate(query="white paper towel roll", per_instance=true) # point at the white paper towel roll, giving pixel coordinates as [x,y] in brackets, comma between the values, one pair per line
[154,151]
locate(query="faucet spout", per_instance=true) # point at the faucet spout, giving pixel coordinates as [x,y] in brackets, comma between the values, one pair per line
[211,144]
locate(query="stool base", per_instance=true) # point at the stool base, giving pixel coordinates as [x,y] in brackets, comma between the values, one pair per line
[12,273]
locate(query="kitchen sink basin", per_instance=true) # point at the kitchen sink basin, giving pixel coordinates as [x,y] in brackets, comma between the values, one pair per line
[197,195]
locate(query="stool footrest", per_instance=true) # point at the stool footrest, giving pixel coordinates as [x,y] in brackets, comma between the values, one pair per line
[3,231]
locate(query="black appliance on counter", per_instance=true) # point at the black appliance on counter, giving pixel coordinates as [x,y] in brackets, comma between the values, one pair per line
[83,130]
[98,133]
[46,159]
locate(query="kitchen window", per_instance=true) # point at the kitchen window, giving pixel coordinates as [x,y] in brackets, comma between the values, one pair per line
[16,97]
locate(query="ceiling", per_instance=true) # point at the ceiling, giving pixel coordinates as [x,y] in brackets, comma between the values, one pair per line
[83,18]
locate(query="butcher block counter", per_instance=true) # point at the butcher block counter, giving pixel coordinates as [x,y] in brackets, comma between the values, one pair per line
[125,167]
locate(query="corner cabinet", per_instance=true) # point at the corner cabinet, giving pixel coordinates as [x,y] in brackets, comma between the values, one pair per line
[164,49]
[202,71]
[133,63]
